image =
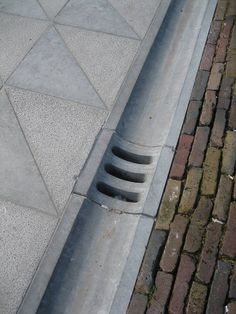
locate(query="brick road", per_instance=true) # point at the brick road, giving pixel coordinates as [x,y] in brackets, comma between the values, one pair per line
[190,262]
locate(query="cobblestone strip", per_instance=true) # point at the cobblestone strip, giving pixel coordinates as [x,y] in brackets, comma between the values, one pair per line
[190,262]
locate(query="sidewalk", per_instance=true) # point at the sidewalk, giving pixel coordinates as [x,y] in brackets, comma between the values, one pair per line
[190,262]
[61,74]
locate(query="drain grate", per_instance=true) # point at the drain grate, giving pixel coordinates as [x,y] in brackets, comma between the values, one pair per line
[124,175]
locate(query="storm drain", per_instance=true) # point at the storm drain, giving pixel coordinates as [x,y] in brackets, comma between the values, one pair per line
[116,197]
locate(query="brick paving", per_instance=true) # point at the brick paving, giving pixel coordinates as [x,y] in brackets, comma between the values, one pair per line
[190,262]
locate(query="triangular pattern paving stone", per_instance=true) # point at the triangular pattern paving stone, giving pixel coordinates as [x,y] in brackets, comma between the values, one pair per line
[60,134]
[17,36]
[52,7]
[104,58]
[96,15]
[20,181]
[29,8]
[51,69]
[138,13]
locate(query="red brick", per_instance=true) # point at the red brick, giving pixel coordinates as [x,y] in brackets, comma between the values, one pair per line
[208,256]
[148,268]
[181,285]
[190,192]
[168,204]
[137,304]
[223,103]
[207,57]
[215,76]
[214,32]
[223,41]
[220,10]
[232,115]
[191,117]
[181,156]
[218,128]
[208,107]
[219,288]
[202,212]
[199,146]
[229,153]
[174,243]
[200,85]
[231,62]
[232,289]
[162,292]
[223,198]
[197,299]
[210,171]
[229,240]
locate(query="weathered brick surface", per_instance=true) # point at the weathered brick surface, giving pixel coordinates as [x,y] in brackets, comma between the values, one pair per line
[163,287]
[174,243]
[232,115]
[168,204]
[147,272]
[229,153]
[234,191]
[215,76]
[223,103]
[199,146]
[181,157]
[214,32]
[207,57]
[208,107]
[190,192]
[229,240]
[191,117]
[202,212]
[181,285]
[223,197]
[223,41]
[225,88]
[232,289]
[208,256]
[210,171]
[231,63]
[193,238]
[137,304]
[232,307]
[231,9]
[197,298]
[200,85]
[220,10]
[218,128]
[219,289]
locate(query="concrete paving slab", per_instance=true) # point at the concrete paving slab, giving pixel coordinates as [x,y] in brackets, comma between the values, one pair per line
[24,235]
[51,69]
[60,134]
[20,181]
[52,7]
[18,35]
[94,262]
[135,11]
[105,59]
[29,8]
[104,17]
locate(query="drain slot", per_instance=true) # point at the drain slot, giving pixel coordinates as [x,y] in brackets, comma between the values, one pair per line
[125,175]
[131,157]
[118,194]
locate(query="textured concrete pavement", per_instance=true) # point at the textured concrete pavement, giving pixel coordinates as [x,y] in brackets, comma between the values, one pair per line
[60,74]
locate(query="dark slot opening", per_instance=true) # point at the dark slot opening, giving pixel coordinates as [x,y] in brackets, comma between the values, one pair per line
[125,175]
[138,159]
[121,195]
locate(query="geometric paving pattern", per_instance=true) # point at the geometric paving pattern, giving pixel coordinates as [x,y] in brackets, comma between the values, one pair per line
[62,64]
[104,58]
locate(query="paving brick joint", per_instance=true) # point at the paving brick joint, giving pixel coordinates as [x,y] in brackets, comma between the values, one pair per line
[195,269]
